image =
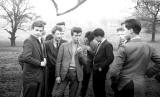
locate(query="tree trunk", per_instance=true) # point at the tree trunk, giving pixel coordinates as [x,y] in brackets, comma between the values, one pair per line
[12,39]
[153,31]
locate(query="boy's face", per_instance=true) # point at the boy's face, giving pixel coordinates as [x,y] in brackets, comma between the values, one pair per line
[86,41]
[38,31]
[125,31]
[58,35]
[76,37]
[121,32]
[98,38]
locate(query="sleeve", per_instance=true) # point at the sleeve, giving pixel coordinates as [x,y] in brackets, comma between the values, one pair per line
[59,60]
[155,57]
[21,63]
[26,55]
[119,61]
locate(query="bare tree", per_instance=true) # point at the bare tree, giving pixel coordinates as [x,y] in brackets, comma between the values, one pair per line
[16,13]
[148,11]
[79,2]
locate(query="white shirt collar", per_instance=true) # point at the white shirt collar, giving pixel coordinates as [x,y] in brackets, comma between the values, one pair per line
[136,37]
[103,39]
[54,43]
[39,39]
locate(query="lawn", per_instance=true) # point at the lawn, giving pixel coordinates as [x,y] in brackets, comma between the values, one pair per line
[10,73]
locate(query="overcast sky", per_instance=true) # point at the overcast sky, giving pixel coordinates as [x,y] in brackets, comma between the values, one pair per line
[91,14]
[91,11]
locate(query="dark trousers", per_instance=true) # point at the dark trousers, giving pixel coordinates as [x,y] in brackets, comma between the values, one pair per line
[99,83]
[127,90]
[72,79]
[50,81]
[85,82]
[31,89]
[114,85]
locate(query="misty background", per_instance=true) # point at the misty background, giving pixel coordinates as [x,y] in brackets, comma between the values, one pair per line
[106,14]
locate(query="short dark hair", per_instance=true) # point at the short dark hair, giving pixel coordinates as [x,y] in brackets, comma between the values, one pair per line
[76,30]
[98,32]
[132,24]
[56,28]
[89,35]
[60,23]
[38,23]
[48,37]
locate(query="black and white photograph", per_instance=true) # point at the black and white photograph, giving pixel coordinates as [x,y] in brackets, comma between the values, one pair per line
[79,48]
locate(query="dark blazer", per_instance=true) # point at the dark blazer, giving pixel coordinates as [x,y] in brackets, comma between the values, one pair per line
[64,59]
[104,56]
[31,58]
[52,53]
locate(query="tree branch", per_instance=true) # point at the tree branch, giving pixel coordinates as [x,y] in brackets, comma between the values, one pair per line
[149,10]
[8,31]
[158,9]
[8,13]
[55,5]
[21,29]
[80,2]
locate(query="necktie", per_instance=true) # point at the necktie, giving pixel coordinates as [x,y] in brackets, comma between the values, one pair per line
[42,43]
[99,43]
[57,44]
[76,48]
[98,46]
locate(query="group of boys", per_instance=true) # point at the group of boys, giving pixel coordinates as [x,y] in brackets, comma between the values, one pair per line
[59,63]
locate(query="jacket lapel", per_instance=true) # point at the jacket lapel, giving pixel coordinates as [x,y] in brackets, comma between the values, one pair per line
[62,41]
[52,46]
[70,48]
[37,44]
[99,47]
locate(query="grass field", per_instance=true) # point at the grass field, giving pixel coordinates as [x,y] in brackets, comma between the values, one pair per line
[10,72]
